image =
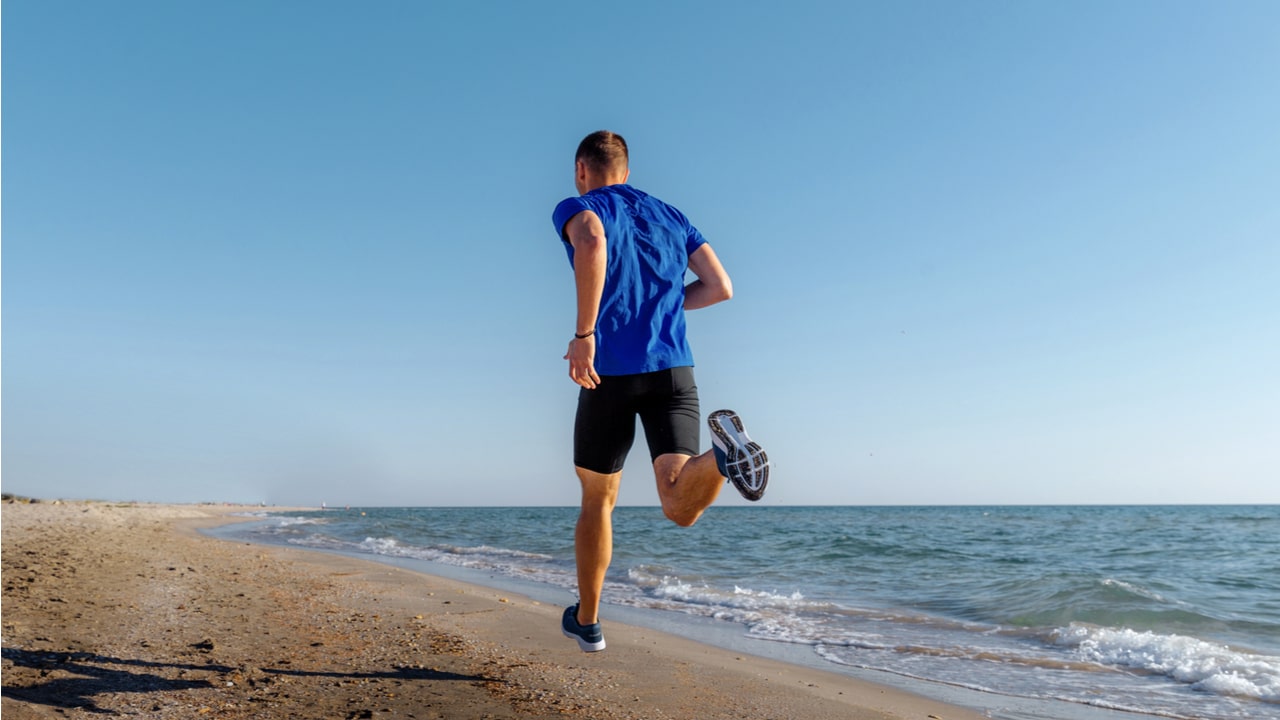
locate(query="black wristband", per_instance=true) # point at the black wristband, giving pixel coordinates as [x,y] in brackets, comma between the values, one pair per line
[588,334]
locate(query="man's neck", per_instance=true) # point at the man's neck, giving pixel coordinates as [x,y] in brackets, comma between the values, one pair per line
[595,181]
[605,183]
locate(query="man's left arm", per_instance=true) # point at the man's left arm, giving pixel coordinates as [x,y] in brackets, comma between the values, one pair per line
[713,284]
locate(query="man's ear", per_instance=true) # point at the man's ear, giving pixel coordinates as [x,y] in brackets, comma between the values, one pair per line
[626,176]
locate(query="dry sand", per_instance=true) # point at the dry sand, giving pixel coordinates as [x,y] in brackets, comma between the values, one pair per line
[126,610]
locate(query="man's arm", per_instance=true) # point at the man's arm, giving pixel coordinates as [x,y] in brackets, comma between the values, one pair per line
[590,253]
[713,284]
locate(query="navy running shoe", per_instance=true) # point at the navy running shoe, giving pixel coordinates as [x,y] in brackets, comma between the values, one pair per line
[742,461]
[589,637]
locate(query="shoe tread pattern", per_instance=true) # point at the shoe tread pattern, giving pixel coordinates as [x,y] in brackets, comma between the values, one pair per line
[748,464]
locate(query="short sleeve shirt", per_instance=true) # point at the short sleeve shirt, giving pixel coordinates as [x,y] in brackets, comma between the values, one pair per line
[641,326]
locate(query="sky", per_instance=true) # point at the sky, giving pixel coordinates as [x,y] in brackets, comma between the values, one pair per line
[299,252]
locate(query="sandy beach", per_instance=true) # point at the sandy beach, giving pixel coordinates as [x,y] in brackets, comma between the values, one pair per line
[127,610]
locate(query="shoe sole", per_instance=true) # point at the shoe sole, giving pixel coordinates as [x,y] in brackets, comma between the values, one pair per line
[583,644]
[746,462]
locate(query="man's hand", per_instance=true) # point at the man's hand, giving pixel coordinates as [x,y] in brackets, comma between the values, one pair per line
[582,362]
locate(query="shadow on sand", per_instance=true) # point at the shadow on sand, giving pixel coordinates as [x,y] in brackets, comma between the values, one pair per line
[100,674]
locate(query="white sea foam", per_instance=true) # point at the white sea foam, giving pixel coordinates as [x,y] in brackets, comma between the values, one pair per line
[490,551]
[290,521]
[771,598]
[461,557]
[675,588]
[1135,590]
[1205,666]
[385,546]
[284,524]
[513,563]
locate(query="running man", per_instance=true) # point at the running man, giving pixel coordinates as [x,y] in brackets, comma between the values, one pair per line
[629,252]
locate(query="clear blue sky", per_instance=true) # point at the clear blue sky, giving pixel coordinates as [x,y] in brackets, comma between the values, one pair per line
[984,252]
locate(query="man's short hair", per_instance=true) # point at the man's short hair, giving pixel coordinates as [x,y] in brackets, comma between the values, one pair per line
[603,151]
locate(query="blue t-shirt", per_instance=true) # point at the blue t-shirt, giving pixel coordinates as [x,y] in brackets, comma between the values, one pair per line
[641,324]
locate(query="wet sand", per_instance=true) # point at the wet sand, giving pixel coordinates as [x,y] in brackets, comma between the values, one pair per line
[127,610]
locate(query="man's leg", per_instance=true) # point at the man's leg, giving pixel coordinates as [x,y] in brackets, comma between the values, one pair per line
[687,485]
[593,538]
[688,482]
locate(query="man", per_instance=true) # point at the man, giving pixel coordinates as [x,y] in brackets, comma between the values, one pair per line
[629,252]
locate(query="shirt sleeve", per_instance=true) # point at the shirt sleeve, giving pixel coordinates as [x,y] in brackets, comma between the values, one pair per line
[693,240]
[564,213]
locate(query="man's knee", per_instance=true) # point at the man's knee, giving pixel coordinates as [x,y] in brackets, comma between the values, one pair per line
[599,489]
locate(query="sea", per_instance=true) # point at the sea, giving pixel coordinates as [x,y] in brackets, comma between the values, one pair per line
[1025,613]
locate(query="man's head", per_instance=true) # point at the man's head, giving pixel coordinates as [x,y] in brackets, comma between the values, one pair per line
[601,160]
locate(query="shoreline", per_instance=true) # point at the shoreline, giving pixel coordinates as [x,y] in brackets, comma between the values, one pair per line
[726,636]
[132,609]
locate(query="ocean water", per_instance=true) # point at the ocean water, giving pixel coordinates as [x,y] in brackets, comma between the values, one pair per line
[1165,611]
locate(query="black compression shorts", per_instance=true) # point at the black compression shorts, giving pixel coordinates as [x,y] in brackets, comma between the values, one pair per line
[667,403]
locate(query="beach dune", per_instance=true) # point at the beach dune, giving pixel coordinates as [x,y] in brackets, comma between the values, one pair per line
[125,609]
